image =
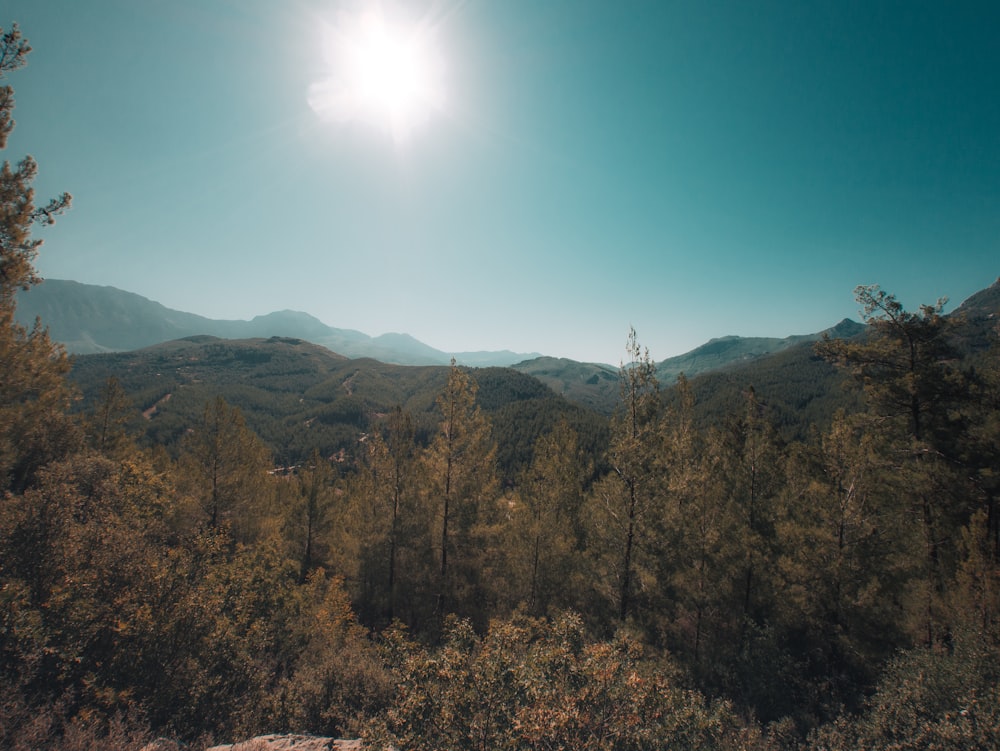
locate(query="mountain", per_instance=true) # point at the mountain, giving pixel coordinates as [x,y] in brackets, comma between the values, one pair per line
[299,396]
[729,350]
[981,316]
[798,388]
[596,386]
[984,304]
[590,384]
[89,319]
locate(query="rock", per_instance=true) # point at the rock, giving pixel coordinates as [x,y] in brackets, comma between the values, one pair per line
[288,743]
[162,744]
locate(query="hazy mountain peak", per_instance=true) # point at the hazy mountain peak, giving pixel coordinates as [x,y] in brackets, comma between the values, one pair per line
[89,318]
[845,329]
[982,304]
[288,315]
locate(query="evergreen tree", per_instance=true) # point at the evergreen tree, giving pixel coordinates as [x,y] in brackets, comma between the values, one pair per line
[626,502]
[700,560]
[225,466]
[843,548]
[545,527]
[906,365]
[981,451]
[106,426]
[34,398]
[391,549]
[757,471]
[461,489]
[312,512]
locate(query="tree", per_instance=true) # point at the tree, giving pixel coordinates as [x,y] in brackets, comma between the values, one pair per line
[107,422]
[701,557]
[545,528]
[906,365]
[461,486]
[628,499]
[383,521]
[225,465]
[84,565]
[34,397]
[311,511]
[981,454]
[842,560]
[758,470]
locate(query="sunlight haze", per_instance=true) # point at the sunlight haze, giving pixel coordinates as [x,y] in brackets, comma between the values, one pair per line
[382,70]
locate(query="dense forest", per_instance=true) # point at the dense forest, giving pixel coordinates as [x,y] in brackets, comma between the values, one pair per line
[480,573]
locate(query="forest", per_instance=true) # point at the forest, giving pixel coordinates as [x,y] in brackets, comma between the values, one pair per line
[694,572]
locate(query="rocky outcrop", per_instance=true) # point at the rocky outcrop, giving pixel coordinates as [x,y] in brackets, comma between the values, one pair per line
[163,744]
[290,743]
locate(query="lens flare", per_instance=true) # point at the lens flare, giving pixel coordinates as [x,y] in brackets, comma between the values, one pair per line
[379,71]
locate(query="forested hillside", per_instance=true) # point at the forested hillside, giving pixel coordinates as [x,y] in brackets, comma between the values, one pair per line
[474,563]
[300,397]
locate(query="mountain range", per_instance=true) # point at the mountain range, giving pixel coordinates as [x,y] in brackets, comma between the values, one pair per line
[301,395]
[90,319]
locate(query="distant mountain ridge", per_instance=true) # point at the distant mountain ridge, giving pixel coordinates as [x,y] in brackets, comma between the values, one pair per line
[731,350]
[593,385]
[299,396]
[91,319]
[982,305]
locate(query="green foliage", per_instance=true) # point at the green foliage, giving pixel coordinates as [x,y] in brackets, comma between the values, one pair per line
[80,557]
[820,570]
[106,425]
[337,680]
[927,698]
[545,530]
[224,465]
[799,388]
[626,501]
[460,490]
[387,528]
[905,365]
[34,426]
[541,685]
[915,395]
[299,397]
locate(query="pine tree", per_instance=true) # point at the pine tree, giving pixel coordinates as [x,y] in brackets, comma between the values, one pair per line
[225,466]
[382,520]
[312,512]
[461,486]
[700,561]
[843,557]
[626,503]
[106,424]
[906,365]
[545,529]
[34,397]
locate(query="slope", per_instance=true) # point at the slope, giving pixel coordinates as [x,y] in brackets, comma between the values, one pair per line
[89,319]
[299,396]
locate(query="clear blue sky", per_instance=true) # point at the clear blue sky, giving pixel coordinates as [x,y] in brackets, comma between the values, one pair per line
[691,168]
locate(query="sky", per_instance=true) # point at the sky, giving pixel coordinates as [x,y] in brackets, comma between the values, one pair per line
[515,174]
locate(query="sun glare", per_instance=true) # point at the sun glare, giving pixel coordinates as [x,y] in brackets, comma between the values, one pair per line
[382,72]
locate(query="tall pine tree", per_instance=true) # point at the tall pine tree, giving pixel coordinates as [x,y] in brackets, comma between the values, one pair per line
[34,426]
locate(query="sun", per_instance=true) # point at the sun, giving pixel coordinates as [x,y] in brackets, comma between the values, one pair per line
[379,71]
